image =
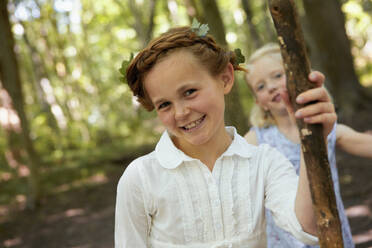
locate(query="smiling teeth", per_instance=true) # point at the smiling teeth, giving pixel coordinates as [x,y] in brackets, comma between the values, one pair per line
[194,124]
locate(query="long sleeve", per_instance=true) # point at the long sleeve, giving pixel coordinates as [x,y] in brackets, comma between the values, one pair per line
[280,195]
[132,222]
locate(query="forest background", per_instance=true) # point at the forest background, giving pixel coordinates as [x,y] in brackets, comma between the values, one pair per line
[69,126]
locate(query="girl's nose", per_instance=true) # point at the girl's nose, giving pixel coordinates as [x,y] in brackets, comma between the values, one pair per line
[272,85]
[181,111]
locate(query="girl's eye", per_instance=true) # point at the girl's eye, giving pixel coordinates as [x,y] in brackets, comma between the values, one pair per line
[260,86]
[278,75]
[163,105]
[189,92]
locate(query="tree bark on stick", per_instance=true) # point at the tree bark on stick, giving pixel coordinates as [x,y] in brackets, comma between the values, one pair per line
[297,67]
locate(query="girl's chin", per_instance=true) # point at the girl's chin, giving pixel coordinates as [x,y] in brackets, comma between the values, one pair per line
[184,141]
[197,141]
[279,105]
[282,110]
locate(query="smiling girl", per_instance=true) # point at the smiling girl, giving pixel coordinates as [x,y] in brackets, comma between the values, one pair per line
[204,185]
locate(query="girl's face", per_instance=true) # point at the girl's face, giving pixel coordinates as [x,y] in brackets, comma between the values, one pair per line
[267,79]
[189,101]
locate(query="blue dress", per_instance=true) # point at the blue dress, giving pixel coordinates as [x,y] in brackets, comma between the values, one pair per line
[277,237]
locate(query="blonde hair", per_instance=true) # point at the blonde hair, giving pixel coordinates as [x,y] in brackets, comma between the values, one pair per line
[258,116]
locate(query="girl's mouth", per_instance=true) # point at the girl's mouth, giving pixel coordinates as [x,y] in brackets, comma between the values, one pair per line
[194,125]
[276,98]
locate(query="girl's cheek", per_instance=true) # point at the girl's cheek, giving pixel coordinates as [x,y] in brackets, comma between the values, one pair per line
[284,80]
[164,118]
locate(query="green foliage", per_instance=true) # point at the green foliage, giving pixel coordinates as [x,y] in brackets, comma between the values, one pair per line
[79,60]
[69,70]
[358,25]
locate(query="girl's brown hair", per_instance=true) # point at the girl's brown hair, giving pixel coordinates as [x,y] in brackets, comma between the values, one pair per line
[213,57]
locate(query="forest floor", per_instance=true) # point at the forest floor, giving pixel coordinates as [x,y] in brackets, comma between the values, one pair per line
[81,213]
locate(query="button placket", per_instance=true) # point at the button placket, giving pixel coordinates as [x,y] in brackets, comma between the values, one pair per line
[224,244]
[215,203]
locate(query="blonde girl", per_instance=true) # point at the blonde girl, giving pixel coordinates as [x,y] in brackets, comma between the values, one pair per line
[273,125]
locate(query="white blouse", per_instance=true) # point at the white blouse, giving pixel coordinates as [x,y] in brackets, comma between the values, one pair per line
[167,199]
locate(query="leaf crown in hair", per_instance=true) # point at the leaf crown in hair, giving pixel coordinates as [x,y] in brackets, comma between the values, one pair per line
[200,30]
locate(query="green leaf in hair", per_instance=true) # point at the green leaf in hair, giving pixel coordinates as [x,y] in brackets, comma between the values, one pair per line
[203,30]
[200,29]
[239,56]
[195,25]
[123,68]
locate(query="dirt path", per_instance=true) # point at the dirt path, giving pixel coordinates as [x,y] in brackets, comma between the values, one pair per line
[77,218]
[356,187]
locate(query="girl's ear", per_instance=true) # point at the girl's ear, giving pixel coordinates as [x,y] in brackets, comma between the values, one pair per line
[227,77]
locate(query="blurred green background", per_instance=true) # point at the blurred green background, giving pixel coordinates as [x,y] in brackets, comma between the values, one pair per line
[67,122]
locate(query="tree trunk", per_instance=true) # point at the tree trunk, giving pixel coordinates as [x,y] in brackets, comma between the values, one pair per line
[144,29]
[12,129]
[150,28]
[255,37]
[326,24]
[11,82]
[270,34]
[194,11]
[234,114]
[314,149]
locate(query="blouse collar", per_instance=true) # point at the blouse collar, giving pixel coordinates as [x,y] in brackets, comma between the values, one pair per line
[170,157]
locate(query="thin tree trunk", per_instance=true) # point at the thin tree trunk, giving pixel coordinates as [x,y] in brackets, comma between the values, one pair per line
[256,39]
[270,34]
[234,114]
[194,11]
[214,20]
[150,28]
[143,29]
[12,130]
[297,68]
[11,82]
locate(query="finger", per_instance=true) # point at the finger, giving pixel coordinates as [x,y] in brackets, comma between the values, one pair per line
[317,78]
[327,119]
[312,95]
[315,109]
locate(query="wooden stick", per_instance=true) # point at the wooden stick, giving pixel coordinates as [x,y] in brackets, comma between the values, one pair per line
[297,67]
